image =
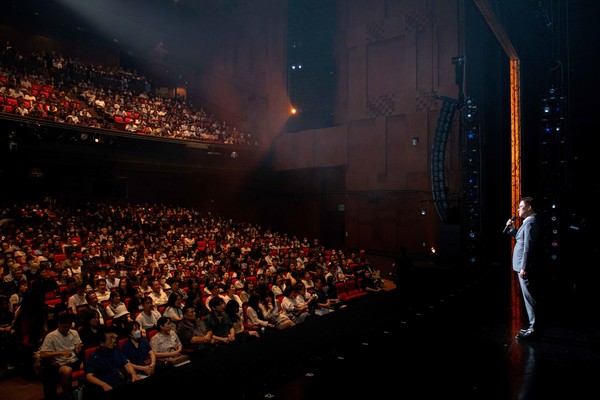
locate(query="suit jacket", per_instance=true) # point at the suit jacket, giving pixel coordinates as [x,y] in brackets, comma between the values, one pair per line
[526,253]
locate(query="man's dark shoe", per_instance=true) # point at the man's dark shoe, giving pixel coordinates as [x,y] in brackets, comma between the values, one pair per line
[527,335]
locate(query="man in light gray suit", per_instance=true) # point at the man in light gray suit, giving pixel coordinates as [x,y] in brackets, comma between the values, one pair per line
[525,261]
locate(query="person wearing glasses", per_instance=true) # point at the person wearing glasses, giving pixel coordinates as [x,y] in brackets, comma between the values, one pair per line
[107,368]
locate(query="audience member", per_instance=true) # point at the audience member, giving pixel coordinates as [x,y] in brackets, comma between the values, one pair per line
[248,291]
[323,304]
[193,333]
[13,279]
[120,321]
[233,310]
[175,284]
[148,317]
[219,323]
[15,300]
[158,295]
[195,294]
[115,304]
[93,304]
[304,299]
[102,291]
[173,308]
[60,355]
[78,298]
[272,310]
[138,351]
[307,280]
[112,278]
[166,343]
[215,291]
[145,287]
[231,295]
[8,339]
[106,367]
[254,313]
[90,328]
[297,313]
[279,286]
[69,290]
[369,284]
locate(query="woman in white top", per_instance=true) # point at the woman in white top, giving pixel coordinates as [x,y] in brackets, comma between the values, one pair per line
[274,313]
[307,280]
[173,310]
[145,287]
[230,295]
[254,313]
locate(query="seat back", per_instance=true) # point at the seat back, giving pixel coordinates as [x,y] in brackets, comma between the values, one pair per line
[151,332]
[341,290]
[354,289]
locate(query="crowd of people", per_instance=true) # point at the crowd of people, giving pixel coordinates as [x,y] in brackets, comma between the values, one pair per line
[152,286]
[46,85]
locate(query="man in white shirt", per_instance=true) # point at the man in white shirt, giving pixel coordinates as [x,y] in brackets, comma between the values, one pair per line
[112,281]
[159,297]
[60,356]
[78,299]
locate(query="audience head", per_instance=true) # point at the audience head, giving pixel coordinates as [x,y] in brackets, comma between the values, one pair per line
[90,317]
[216,303]
[232,307]
[134,330]
[163,323]
[189,312]
[64,323]
[108,339]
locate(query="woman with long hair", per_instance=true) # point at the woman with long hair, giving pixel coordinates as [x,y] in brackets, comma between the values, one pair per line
[173,308]
[232,308]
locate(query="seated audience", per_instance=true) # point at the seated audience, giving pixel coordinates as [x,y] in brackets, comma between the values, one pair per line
[166,343]
[254,313]
[233,309]
[148,317]
[138,351]
[107,368]
[173,308]
[93,304]
[90,328]
[193,333]
[60,354]
[219,323]
[158,295]
[369,284]
[297,313]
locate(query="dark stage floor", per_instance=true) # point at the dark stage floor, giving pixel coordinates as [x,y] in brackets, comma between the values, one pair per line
[446,333]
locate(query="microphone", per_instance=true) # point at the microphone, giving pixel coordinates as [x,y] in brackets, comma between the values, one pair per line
[514,217]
